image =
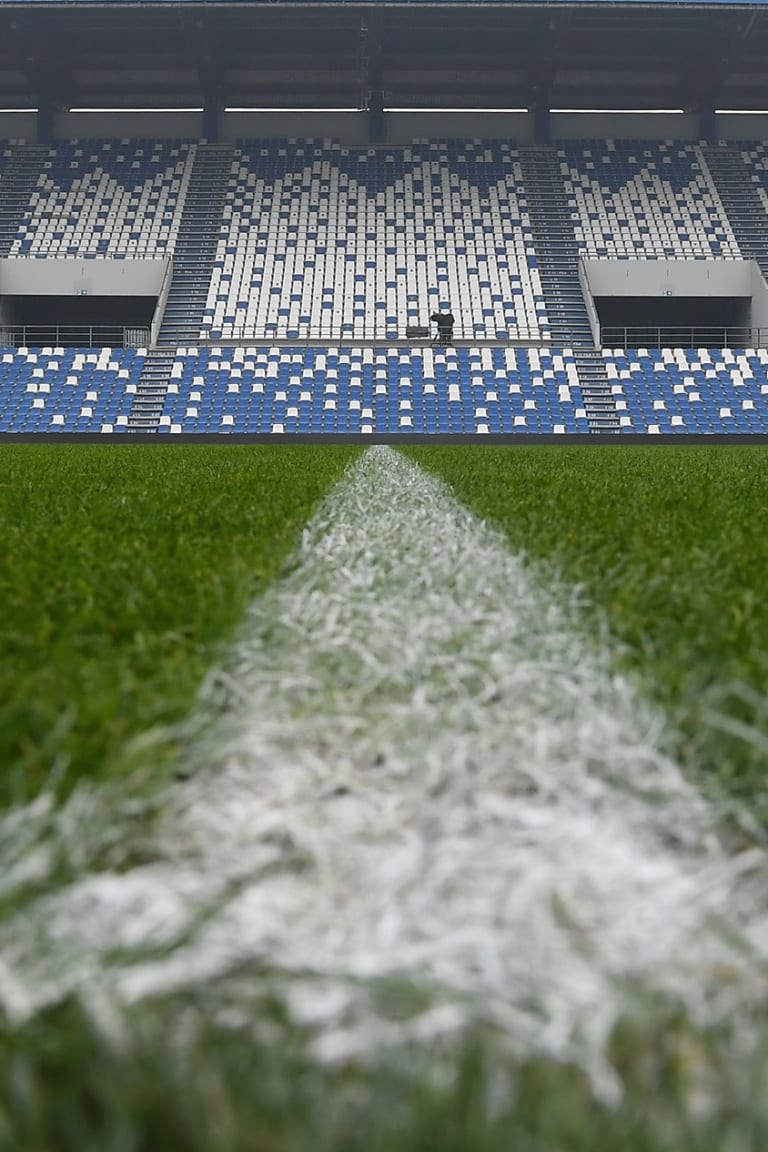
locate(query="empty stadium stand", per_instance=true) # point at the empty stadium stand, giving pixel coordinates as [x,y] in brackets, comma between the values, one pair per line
[323,241]
[704,390]
[21,168]
[278,390]
[741,180]
[298,265]
[106,198]
[643,200]
[67,389]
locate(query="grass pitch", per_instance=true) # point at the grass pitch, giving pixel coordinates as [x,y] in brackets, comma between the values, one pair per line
[670,550]
[125,572]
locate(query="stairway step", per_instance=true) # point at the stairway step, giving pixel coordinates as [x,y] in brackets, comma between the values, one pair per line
[196,245]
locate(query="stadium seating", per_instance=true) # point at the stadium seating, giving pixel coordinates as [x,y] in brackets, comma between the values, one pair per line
[283,390]
[67,389]
[323,241]
[677,390]
[755,157]
[6,152]
[107,198]
[324,244]
[644,200]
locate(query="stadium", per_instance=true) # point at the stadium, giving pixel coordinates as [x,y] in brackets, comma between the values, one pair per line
[383,483]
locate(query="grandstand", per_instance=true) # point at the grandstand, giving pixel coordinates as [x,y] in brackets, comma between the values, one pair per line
[296,254]
[374,799]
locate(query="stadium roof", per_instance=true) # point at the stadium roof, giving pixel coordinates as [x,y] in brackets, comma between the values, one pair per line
[599,55]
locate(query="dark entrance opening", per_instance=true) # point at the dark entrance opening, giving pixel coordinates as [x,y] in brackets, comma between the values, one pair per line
[76,321]
[674,321]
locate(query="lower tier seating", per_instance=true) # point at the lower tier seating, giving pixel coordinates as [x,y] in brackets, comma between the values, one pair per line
[385,391]
[67,389]
[284,390]
[685,390]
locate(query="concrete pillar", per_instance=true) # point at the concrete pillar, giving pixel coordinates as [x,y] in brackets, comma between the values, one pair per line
[708,125]
[45,124]
[211,118]
[376,126]
[542,126]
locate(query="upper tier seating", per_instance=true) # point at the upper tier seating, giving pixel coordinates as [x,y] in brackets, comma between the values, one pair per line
[755,158]
[107,198]
[6,152]
[332,242]
[644,200]
[703,390]
[67,389]
[333,389]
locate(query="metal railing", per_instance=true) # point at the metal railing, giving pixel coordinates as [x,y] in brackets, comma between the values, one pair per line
[679,336]
[72,336]
[366,337]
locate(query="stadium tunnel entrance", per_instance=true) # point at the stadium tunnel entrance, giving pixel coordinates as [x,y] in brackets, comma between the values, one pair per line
[688,321]
[689,303]
[81,303]
[74,322]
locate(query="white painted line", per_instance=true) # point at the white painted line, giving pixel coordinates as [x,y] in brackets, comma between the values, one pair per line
[423,773]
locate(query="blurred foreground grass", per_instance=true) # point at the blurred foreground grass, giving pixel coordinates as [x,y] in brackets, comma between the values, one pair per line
[670,548]
[124,569]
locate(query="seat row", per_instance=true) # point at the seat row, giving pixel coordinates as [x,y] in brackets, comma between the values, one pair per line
[283,390]
[641,200]
[107,199]
[342,242]
[68,389]
[689,390]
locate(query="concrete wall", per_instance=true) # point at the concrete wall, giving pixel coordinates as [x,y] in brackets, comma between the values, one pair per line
[405,127]
[759,298]
[162,300]
[742,127]
[70,277]
[594,319]
[18,126]
[684,278]
[348,127]
[119,125]
[681,277]
[401,127]
[622,126]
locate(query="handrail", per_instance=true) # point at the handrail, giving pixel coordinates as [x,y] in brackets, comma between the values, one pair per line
[162,300]
[73,336]
[683,336]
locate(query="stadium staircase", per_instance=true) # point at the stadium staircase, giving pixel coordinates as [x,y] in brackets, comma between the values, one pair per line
[196,245]
[557,257]
[557,252]
[598,398]
[147,407]
[742,205]
[20,175]
[151,391]
[192,267]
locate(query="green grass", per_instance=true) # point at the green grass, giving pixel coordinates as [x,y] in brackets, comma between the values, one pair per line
[670,547]
[123,572]
[166,1078]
